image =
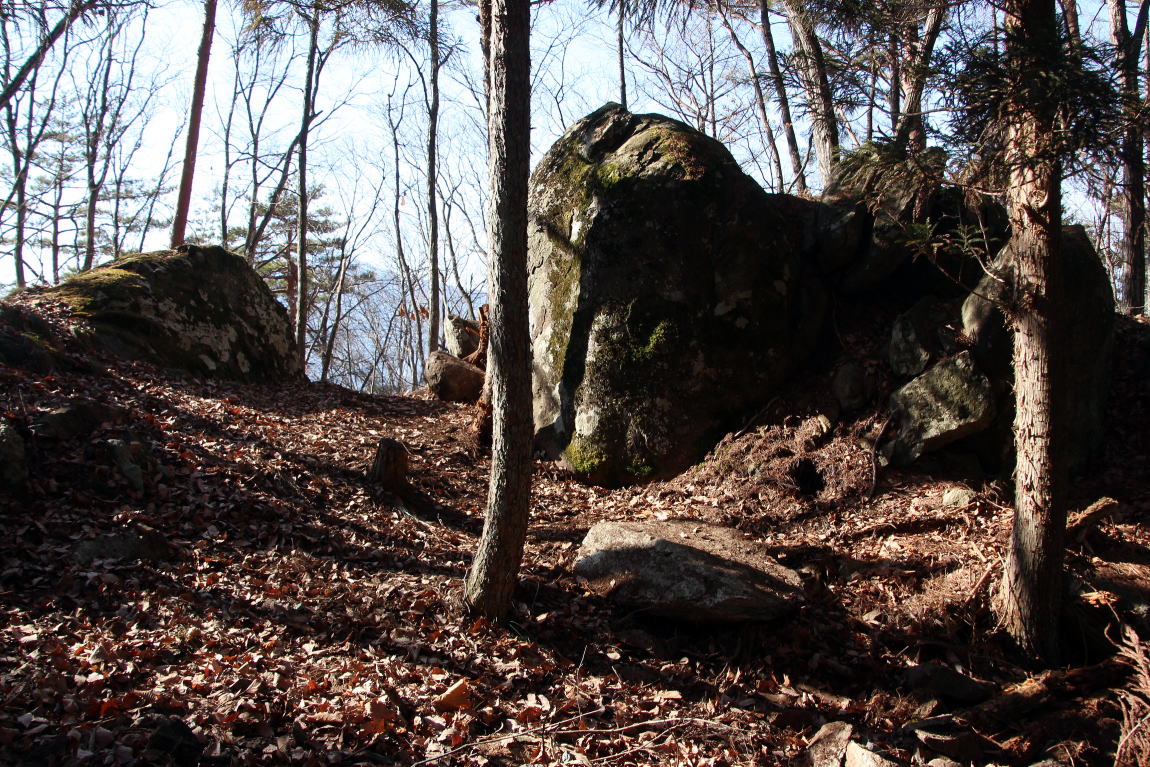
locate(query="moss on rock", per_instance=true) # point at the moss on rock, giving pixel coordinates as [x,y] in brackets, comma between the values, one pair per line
[199,309]
[662,294]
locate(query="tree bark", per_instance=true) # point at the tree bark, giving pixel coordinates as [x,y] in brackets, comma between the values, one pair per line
[301,223]
[911,132]
[812,69]
[620,50]
[760,99]
[797,166]
[1030,599]
[491,580]
[432,154]
[184,198]
[1126,48]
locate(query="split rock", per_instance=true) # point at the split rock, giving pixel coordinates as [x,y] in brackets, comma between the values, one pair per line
[687,571]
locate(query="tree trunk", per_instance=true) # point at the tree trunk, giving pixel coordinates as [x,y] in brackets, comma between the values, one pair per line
[432,204]
[797,165]
[301,223]
[1133,162]
[1031,596]
[911,132]
[184,198]
[812,69]
[620,50]
[329,347]
[491,580]
[760,99]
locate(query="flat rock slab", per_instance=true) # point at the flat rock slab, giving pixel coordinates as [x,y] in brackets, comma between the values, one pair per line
[687,571]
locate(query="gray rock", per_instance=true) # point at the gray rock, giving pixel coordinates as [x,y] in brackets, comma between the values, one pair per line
[840,231]
[828,745]
[958,498]
[13,459]
[452,379]
[1087,351]
[687,571]
[142,543]
[851,386]
[917,337]
[124,458]
[199,309]
[950,401]
[666,291]
[461,336]
[858,756]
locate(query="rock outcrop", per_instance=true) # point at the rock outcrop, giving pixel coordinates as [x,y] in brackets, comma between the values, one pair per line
[950,401]
[1089,339]
[666,295]
[460,336]
[198,309]
[452,379]
[687,571]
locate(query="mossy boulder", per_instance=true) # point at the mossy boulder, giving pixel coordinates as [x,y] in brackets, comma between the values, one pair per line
[666,295]
[198,309]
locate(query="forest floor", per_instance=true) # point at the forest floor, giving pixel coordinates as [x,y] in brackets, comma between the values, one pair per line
[288,612]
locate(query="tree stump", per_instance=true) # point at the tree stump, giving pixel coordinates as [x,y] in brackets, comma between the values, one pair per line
[389,469]
[478,358]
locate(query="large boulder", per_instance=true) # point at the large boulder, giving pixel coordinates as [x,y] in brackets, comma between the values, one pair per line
[687,571]
[666,295]
[950,401]
[198,309]
[1089,339]
[452,379]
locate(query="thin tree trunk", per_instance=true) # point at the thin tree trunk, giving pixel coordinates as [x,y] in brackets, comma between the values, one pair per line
[1133,161]
[432,203]
[301,223]
[620,50]
[911,131]
[894,90]
[1031,595]
[329,347]
[813,74]
[797,168]
[184,197]
[1073,34]
[491,580]
[760,99]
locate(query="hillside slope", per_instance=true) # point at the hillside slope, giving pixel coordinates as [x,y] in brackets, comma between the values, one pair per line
[199,572]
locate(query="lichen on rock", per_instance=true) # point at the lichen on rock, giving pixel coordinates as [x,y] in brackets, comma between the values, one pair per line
[666,295]
[199,309]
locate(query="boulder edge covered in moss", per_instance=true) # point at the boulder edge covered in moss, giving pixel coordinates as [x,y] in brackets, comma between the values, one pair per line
[203,310]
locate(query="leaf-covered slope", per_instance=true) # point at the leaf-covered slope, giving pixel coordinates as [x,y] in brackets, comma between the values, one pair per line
[292,613]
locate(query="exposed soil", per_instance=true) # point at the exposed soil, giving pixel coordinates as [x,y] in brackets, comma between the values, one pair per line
[299,615]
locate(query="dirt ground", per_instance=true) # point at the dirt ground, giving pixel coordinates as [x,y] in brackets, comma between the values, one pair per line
[285,611]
